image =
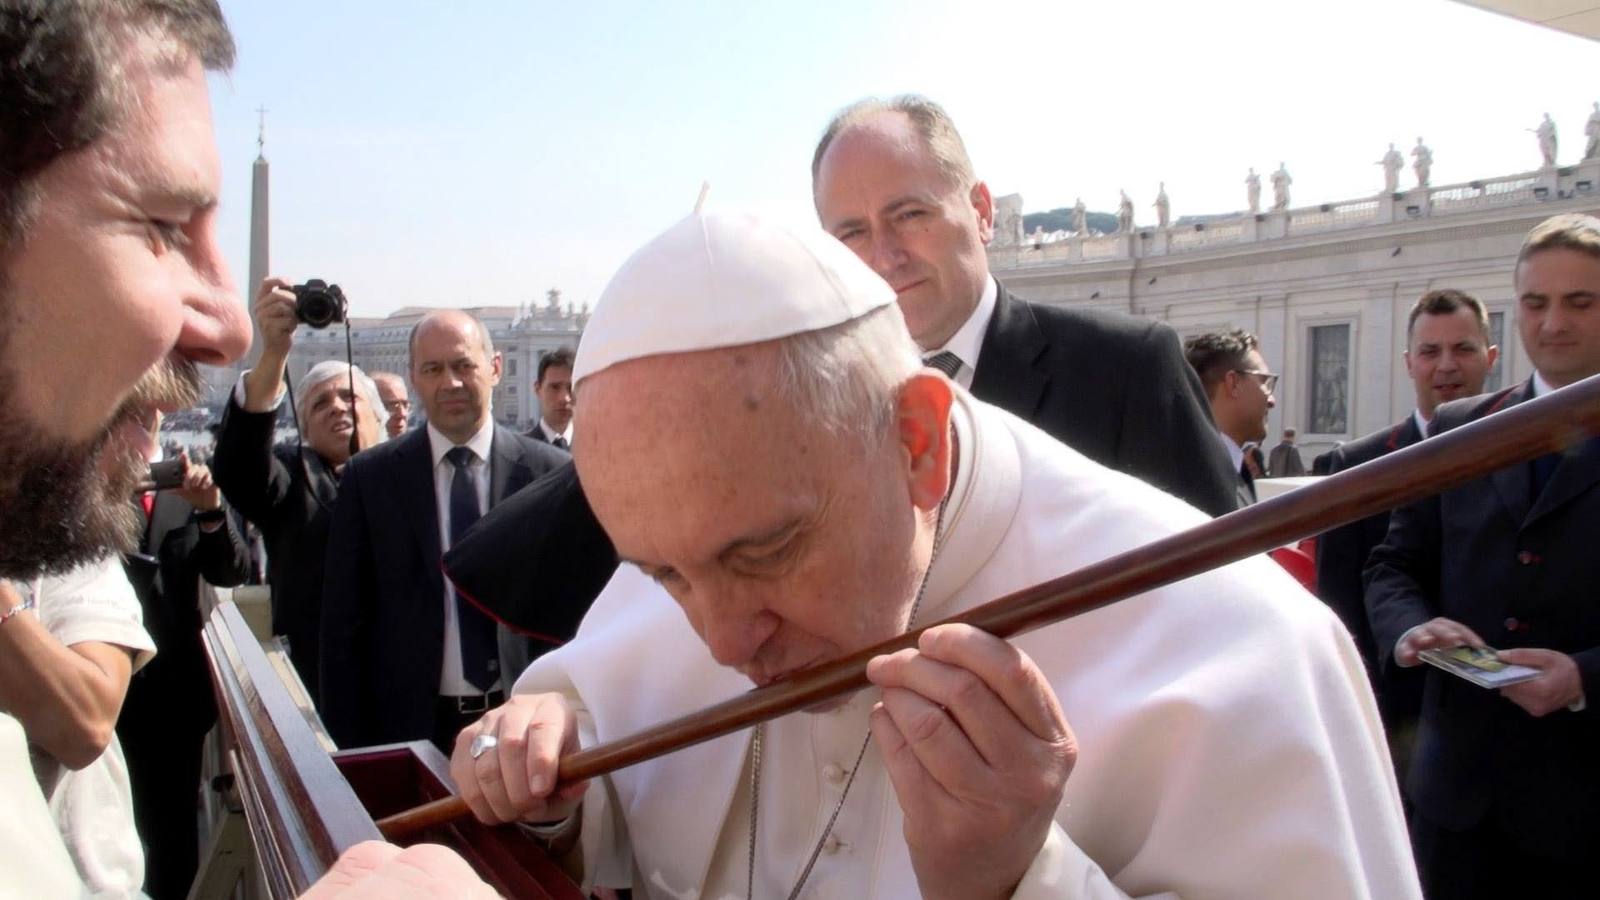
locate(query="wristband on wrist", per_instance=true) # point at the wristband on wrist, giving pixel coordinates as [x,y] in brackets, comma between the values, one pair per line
[24,606]
[210,516]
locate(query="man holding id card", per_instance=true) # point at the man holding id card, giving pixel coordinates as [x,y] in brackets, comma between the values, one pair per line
[1505,787]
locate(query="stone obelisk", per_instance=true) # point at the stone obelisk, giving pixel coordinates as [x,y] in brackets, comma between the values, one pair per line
[258,237]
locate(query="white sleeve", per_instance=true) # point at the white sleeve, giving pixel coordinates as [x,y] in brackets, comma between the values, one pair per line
[238,393]
[1062,869]
[95,602]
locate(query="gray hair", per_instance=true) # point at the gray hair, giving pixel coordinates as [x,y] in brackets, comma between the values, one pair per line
[327,370]
[933,125]
[846,378]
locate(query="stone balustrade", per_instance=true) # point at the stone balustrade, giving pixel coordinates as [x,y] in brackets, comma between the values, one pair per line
[1056,248]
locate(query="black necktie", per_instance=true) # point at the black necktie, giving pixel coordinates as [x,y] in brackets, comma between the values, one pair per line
[479,657]
[944,361]
[559,441]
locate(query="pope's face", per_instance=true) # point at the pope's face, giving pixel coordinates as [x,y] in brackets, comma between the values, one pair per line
[882,193]
[785,546]
[119,286]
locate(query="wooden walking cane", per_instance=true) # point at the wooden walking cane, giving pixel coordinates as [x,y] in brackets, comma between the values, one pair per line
[1548,424]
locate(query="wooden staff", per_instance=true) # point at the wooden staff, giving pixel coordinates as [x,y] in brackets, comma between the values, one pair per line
[1547,425]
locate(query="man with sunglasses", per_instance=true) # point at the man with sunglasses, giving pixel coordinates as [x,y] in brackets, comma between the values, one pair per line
[1239,387]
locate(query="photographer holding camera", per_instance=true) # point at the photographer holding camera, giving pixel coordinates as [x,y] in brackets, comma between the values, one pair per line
[289,492]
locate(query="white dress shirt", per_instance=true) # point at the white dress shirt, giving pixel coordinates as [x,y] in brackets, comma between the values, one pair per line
[550,434]
[452,683]
[1235,452]
[967,342]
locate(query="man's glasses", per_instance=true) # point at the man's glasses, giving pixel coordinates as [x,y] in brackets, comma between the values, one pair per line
[1268,380]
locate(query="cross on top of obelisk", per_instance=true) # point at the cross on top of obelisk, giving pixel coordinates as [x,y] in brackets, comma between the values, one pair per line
[261,133]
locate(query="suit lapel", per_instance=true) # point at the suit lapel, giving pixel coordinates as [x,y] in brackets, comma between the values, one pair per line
[415,462]
[1009,373]
[1514,483]
[507,472]
[1577,472]
[1404,435]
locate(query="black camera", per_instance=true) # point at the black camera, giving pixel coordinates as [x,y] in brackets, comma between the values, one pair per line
[318,303]
[166,475]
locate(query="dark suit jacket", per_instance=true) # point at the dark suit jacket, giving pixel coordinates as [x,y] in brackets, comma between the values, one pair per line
[564,559]
[290,499]
[1341,557]
[1342,553]
[170,706]
[173,555]
[1521,571]
[1113,387]
[383,593]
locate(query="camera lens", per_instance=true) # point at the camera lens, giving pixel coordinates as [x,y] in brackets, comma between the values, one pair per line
[317,311]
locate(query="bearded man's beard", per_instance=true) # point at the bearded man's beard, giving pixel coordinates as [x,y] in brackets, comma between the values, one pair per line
[64,504]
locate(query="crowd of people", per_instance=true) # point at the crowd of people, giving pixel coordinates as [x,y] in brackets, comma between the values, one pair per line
[776,445]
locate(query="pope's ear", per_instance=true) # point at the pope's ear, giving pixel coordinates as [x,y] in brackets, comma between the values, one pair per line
[923,420]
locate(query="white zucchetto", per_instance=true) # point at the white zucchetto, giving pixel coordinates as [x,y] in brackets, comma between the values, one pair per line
[725,279]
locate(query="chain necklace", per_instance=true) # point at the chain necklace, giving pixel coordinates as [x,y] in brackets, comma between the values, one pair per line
[760,731]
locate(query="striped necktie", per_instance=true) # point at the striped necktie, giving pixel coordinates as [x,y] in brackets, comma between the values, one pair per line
[944,361]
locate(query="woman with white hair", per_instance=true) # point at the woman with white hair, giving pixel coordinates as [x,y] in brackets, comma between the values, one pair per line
[289,492]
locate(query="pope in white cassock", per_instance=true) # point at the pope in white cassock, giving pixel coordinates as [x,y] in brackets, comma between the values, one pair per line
[787,483]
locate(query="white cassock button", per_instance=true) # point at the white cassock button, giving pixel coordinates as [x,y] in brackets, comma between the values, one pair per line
[832,844]
[833,772]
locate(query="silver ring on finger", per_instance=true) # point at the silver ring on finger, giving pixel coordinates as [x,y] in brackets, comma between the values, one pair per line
[482,744]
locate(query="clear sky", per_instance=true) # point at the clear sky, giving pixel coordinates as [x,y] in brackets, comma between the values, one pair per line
[484,151]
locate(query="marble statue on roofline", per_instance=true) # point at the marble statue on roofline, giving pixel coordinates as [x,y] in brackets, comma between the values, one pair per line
[1163,207]
[1392,163]
[1546,133]
[1591,130]
[1280,187]
[1080,218]
[1008,227]
[1422,163]
[1125,214]
[1252,189]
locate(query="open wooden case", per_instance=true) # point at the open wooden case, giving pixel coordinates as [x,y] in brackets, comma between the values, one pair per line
[304,806]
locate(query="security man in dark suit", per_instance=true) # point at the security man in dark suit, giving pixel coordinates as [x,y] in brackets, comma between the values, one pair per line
[1448,356]
[1504,784]
[1239,390]
[892,180]
[404,656]
[553,387]
[288,491]
[188,536]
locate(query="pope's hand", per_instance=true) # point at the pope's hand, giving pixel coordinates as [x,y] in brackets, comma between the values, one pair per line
[513,780]
[979,753]
[373,870]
